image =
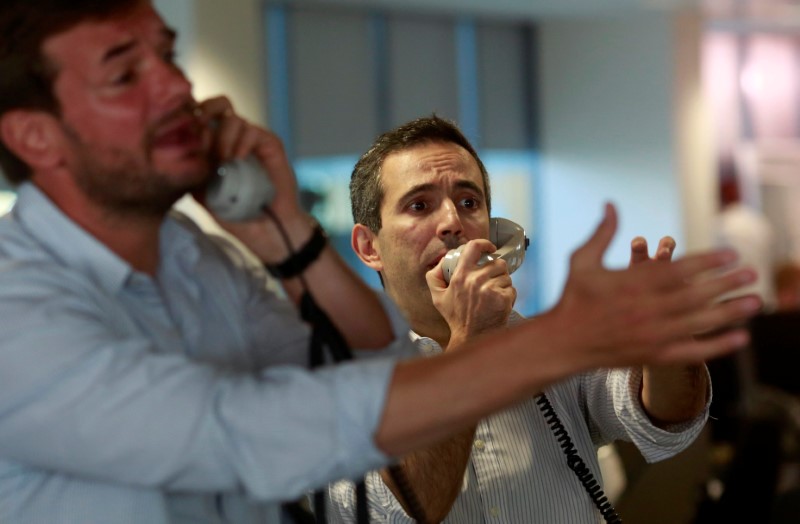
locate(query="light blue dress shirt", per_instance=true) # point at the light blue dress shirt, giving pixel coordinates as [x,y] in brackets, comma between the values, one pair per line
[181,398]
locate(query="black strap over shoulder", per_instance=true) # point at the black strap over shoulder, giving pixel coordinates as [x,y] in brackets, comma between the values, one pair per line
[324,334]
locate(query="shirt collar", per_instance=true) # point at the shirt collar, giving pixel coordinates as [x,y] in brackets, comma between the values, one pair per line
[73,246]
[426,345]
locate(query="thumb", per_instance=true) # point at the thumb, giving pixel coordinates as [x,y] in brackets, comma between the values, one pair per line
[590,254]
[435,278]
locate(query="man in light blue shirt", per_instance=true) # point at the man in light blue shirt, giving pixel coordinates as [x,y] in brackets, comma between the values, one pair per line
[147,375]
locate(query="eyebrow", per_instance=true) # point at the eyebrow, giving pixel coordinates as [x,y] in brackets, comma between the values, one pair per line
[121,49]
[461,184]
[117,50]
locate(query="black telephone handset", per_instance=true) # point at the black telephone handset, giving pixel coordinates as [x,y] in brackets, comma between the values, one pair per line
[511,243]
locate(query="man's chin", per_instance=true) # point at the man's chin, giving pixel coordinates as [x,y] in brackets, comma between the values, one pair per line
[193,166]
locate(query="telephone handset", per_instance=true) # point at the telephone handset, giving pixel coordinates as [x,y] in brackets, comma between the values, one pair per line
[239,190]
[511,243]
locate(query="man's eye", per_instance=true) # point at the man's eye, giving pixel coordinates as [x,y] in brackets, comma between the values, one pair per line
[125,78]
[470,203]
[170,56]
[418,206]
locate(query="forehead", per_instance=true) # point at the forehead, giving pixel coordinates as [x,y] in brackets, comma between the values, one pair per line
[95,41]
[438,163]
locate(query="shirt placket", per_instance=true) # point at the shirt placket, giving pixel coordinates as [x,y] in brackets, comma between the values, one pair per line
[488,470]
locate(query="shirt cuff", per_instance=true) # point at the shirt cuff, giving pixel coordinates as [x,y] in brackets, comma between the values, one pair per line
[362,389]
[657,443]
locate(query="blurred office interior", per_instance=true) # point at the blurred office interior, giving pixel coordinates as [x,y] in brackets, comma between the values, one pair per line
[649,104]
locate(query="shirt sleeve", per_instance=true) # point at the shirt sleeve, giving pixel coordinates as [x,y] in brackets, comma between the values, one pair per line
[264,297]
[79,397]
[615,412]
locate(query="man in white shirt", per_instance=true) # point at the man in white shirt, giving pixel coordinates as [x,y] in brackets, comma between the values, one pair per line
[418,192]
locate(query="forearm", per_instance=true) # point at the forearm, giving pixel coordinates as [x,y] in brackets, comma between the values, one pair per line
[434,475]
[351,305]
[675,393]
[483,376]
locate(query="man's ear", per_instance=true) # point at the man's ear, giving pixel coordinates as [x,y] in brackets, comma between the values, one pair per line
[364,242]
[33,136]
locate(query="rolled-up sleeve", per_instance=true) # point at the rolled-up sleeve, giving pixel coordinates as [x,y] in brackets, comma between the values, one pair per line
[616,413]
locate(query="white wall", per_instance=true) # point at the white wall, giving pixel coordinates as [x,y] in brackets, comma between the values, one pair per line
[613,118]
[622,120]
[220,45]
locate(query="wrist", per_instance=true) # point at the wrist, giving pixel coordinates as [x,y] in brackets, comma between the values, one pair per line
[300,257]
[298,229]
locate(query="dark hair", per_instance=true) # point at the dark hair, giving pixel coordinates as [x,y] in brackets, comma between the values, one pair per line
[26,76]
[366,192]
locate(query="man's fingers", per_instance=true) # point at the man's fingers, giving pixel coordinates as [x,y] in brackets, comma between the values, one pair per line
[228,135]
[473,251]
[666,246]
[686,269]
[272,154]
[711,318]
[702,293]
[590,254]
[639,252]
[696,351]
[435,277]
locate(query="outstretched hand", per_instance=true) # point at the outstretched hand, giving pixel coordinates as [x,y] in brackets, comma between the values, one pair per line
[648,313]
[670,393]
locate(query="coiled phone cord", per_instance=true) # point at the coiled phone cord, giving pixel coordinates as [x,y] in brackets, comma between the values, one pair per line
[324,333]
[576,463]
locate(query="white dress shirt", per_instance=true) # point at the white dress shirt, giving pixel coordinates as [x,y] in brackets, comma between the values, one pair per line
[517,471]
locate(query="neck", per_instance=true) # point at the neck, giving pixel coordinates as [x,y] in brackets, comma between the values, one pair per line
[134,239]
[424,319]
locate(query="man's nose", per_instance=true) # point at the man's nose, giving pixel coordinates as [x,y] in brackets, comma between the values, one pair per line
[450,222]
[170,85]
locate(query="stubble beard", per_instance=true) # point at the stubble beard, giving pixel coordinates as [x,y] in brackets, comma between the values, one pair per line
[122,184]
[412,294]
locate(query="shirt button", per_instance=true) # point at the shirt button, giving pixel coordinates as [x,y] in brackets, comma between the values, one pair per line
[495,511]
[479,444]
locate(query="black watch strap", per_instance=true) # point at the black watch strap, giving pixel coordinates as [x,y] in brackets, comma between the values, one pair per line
[299,261]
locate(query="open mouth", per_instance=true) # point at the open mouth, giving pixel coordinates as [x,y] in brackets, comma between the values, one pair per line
[184,133]
[436,260]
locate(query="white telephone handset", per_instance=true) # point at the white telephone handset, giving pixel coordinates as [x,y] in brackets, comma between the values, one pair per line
[511,243]
[239,190]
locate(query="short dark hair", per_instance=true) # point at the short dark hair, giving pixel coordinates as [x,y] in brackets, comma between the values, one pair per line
[366,191]
[26,76]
